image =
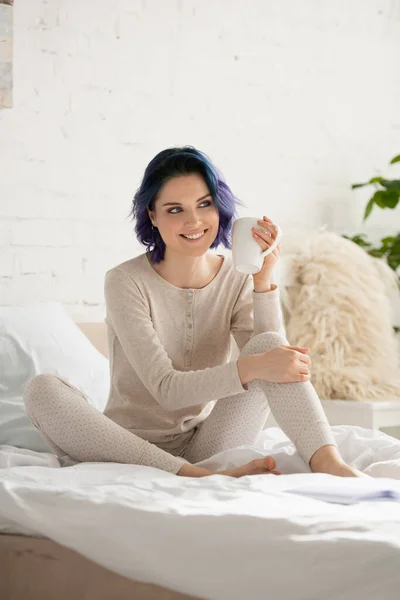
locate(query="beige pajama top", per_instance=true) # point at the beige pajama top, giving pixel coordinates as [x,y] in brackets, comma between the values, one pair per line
[169,347]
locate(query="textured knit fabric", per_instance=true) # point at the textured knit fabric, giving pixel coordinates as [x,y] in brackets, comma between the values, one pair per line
[239,419]
[172,383]
[78,432]
[169,347]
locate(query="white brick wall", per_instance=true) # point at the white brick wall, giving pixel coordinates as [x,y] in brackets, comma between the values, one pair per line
[293,100]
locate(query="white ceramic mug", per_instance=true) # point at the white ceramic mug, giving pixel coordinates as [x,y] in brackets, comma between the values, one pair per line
[246,252]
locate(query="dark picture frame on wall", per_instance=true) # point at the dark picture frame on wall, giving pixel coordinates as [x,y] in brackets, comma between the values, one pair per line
[6,52]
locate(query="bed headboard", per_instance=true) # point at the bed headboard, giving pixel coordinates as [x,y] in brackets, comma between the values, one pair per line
[97,335]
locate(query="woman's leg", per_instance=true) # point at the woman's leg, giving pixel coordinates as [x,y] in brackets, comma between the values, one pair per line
[74,428]
[78,432]
[238,420]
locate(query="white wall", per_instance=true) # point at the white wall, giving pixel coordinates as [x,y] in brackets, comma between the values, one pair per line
[293,100]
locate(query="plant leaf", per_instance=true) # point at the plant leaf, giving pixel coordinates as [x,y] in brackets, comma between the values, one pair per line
[359,240]
[373,180]
[393,261]
[395,160]
[379,198]
[368,209]
[376,252]
[391,199]
[393,184]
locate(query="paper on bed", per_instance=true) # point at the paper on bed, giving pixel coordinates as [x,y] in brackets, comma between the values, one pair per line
[350,491]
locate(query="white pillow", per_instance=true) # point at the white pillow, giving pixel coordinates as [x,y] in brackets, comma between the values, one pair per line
[42,338]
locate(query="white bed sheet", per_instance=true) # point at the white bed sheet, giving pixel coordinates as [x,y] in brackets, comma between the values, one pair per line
[217,537]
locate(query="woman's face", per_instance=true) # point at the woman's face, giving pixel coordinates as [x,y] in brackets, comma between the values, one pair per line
[185,207]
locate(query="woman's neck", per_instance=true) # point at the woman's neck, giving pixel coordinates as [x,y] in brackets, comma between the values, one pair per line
[187,272]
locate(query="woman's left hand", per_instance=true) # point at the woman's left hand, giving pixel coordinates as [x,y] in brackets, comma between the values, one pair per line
[265,239]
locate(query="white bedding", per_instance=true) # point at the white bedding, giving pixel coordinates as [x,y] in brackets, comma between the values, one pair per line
[218,537]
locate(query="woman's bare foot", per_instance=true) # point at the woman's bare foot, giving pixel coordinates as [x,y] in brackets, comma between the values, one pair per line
[258,466]
[328,459]
[343,470]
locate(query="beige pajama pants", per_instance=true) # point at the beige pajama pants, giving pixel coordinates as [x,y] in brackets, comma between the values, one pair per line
[76,430]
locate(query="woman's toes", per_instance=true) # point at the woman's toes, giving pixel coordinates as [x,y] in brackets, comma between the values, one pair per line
[264,465]
[270,463]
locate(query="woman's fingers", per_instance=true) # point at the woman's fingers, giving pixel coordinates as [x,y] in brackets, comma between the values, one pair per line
[267,225]
[303,350]
[303,371]
[300,377]
[304,365]
[305,359]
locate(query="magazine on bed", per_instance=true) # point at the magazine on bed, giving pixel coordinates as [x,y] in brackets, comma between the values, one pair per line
[348,490]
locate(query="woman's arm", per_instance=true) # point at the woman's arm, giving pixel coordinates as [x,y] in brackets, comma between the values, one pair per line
[256,312]
[247,369]
[129,315]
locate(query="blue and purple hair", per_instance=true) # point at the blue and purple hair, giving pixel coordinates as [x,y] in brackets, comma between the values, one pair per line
[175,162]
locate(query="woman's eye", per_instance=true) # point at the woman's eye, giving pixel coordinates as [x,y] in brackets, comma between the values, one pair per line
[207,202]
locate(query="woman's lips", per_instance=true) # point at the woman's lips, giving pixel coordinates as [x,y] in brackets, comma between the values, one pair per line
[196,238]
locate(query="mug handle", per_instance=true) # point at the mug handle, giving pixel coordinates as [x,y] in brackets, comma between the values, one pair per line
[276,241]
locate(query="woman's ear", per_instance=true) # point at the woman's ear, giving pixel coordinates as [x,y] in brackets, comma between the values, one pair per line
[151,216]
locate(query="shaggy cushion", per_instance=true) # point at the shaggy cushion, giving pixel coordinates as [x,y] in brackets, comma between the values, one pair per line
[337,302]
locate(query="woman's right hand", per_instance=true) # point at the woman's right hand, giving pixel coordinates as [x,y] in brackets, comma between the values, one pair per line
[284,364]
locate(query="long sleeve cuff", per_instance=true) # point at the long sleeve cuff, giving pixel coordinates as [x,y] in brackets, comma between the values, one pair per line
[267,311]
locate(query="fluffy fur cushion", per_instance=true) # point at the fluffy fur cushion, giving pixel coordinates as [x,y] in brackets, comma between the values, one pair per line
[338,303]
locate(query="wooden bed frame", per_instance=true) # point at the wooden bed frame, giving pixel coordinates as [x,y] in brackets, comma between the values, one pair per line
[33,568]
[37,568]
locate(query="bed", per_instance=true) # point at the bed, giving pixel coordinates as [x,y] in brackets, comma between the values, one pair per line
[107,530]
[38,568]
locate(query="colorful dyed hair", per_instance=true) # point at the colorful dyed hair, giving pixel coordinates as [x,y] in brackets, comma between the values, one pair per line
[174,162]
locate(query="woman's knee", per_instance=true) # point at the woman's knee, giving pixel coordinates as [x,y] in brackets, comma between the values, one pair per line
[263,342]
[40,390]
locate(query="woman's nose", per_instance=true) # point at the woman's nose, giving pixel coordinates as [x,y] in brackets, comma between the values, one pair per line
[192,219]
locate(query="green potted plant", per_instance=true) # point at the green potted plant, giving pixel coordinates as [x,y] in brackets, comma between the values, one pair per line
[386,195]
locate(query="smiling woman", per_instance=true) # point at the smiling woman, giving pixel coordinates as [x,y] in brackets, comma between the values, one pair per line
[175,396]
[188,230]
[192,216]
[183,208]
[183,194]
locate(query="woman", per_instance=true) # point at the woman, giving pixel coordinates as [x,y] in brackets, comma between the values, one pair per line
[175,397]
